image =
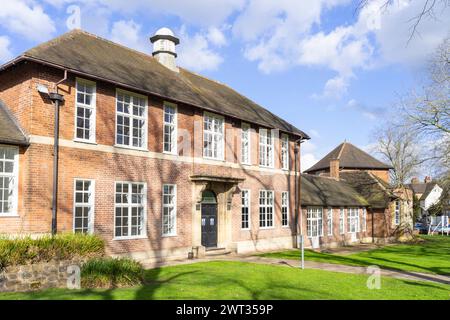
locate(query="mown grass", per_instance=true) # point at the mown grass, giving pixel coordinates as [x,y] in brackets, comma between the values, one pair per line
[240,280]
[19,251]
[429,256]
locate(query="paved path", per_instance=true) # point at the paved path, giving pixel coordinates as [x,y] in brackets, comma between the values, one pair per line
[408,275]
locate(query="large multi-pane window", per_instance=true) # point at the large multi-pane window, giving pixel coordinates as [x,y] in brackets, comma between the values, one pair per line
[284,208]
[9,162]
[341,221]
[131,120]
[330,221]
[170,128]
[266,201]
[83,216]
[213,136]
[130,209]
[265,148]
[245,209]
[397,212]
[245,143]
[169,210]
[285,152]
[353,220]
[364,219]
[314,222]
[85,111]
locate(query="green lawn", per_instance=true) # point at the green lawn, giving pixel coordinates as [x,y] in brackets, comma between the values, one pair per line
[240,280]
[430,256]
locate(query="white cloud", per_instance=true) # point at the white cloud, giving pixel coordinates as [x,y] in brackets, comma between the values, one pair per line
[195,52]
[5,51]
[371,113]
[216,37]
[27,19]
[307,160]
[127,34]
[314,133]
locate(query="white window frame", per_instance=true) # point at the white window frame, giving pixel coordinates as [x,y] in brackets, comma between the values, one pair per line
[265,207]
[266,150]
[330,221]
[131,117]
[248,207]
[220,145]
[93,107]
[91,204]
[174,206]
[13,211]
[364,220]
[341,221]
[144,204]
[174,142]
[246,148]
[397,212]
[314,222]
[284,141]
[353,220]
[285,207]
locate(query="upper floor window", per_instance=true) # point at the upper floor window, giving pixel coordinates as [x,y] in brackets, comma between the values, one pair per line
[245,144]
[83,216]
[397,212]
[9,173]
[131,120]
[85,110]
[285,152]
[314,222]
[170,128]
[265,148]
[213,136]
[284,208]
[266,202]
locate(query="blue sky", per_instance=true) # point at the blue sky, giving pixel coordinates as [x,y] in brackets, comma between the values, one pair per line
[331,71]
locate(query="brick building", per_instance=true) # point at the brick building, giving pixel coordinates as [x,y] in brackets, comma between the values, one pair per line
[158,161]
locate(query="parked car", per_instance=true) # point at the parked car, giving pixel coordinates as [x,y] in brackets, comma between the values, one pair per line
[421,227]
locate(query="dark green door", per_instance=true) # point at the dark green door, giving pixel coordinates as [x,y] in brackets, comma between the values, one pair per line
[209,225]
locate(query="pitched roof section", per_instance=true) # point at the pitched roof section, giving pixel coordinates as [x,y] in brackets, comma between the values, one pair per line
[323,191]
[10,130]
[374,190]
[350,157]
[417,187]
[87,54]
[429,187]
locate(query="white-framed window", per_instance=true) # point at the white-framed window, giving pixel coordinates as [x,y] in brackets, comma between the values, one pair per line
[245,143]
[265,148]
[245,209]
[83,207]
[397,212]
[341,221]
[285,151]
[130,210]
[213,136]
[85,110]
[9,177]
[266,208]
[314,222]
[353,220]
[131,120]
[170,128]
[330,221]
[284,208]
[169,218]
[364,220]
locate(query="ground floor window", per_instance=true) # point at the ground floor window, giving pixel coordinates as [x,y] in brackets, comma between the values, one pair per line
[341,221]
[130,209]
[9,168]
[285,208]
[314,225]
[83,215]
[353,220]
[169,210]
[364,219]
[245,209]
[266,209]
[397,212]
[330,221]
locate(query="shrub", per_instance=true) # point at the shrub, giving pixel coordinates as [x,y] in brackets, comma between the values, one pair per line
[111,273]
[19,251]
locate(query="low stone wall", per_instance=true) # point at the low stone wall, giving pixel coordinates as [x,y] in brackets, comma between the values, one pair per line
[53,274]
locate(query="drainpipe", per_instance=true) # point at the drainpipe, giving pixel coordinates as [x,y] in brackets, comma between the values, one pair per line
[298,213]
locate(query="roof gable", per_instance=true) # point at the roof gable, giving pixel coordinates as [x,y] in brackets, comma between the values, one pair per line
[10,130]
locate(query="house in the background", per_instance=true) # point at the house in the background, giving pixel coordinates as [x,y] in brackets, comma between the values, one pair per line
[389,208]
[427,192]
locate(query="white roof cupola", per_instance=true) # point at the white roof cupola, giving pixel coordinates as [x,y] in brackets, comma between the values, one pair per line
[164,43]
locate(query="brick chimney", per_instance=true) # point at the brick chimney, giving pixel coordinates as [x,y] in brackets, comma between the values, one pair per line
[334,168]
[414,180]
[427,179]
